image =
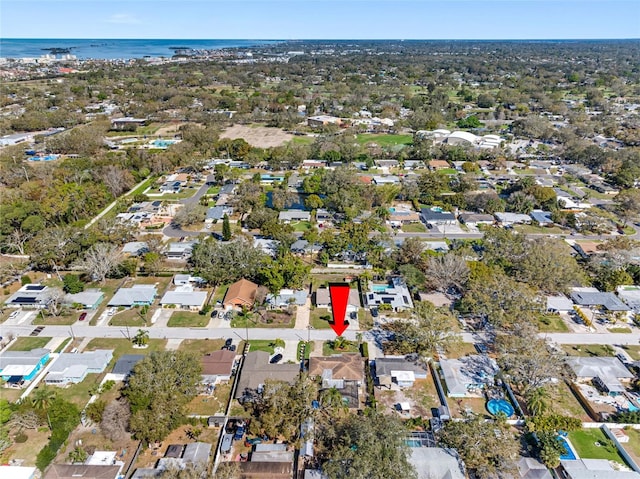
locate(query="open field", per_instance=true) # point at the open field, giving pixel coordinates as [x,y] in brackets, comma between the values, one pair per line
[27,343]
[185,319]
[201,346]
[551,323]
[589,350]
[259,136]
[384,139]
[124,346]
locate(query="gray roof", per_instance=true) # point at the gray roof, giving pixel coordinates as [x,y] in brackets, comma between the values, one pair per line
[385,365]
[227,189]
[591,367]
[541,216]
[470,371]
[436,463]
[197,452]
[512,218]
[530,468]
[595,469]
[257,369]
[126,362]
[218,212]
[559,303]
[608,300]
[138,293]
[294,215]
[430,215]
[288,296]
[396,294]
[324,297]
[135,247]
[96,360]
[476,217]
[88,297]
[184,298]
[28,358]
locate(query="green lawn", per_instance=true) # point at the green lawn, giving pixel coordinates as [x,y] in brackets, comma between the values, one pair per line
[258,322]
[531,229]
[551,323]
[201,346]
[414,228]
[460,349]
[27,343]
[619,329]
[593,444]
[302,140]
[147,183]
[562,401]
[316,318]
[589,350]
[220,292]
[213,190]
[122,346]
[130,317]
[633,351]
[447,171]
[384,139]
[328,350]
[185,319]
[259,345]
[65,319]
[301,226]
[79,393]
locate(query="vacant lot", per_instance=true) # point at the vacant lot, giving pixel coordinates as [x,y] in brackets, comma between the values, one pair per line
[259,136]
[27,343]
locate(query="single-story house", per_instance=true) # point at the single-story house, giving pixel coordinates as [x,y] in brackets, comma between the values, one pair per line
[74,367]
[135,248]
[394,293]
[543,218]
[323,299]
[559,304]
[89,299]
[287,297]
[467,376]
[288,216]
[82,471]
[171,187]
[608,373]
[343,372]
[413,164]
[16,366]
[436,217]
[124,366]
[587,248]
[507,219]
[302,246]
[29,296]
[184,298]
[180,249]
[630,295]
[387,163]
[323,215]
[313,164]
[385,180]
[400,370]
[265,470]
[594,469]
[439,165]
[399,217]
[196,453]
[241,293]
[267,245]
[531,468]
[436,463]
[137,295]
[256,369]
[216,213]
[592,297]
[217,366]
[182,279]
[265,452]
[475,219]
[127,121]
[439,246]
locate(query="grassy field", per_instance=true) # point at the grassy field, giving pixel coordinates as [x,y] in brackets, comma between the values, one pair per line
[460,349]
[303,140]
[414,228]
[185,319]
[562,401]
[213,404]
[385,140]
[619,329]
[220,292]
[27,343]
[328,350]
[78,394]
[315,319]
[130,317]
[259,345]
[593,444]
[633,446]
[633,351]
[301,226]
[589,350]
[531,229]
[551,323]
[213,190]
[122,346]
[201,346]
[62,320]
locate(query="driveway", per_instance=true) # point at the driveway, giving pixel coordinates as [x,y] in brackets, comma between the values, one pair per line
[200,193]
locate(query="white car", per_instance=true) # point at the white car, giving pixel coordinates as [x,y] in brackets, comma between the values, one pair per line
[111,311]
[14,314]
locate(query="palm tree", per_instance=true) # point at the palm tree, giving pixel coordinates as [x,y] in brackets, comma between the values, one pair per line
[341,343]
[332,399]
[537,401]
[42,398]
[141,338]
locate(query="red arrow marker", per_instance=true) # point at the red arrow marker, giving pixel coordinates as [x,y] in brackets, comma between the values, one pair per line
[339,298]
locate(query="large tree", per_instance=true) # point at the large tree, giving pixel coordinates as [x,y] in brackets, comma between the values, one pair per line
[365,448]
[220,263]
[100,260]
[429,328]
[158,390]
[486,447]
[446,271]
[627,204]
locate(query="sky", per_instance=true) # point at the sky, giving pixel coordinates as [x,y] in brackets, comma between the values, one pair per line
[320,19]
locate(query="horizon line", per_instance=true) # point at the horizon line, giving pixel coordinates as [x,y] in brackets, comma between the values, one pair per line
[336,39]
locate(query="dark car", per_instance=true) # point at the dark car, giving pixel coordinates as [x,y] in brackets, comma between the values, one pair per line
[214,314]
[228,342]
[276,359]
[374,312]
[353,315]
[82,317]
[232,348]
[239,433]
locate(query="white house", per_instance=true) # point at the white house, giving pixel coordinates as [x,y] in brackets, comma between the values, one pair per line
[287,216]
[184,298]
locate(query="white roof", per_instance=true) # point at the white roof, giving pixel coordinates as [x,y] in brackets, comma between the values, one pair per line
[102,458]
[185,298]
[18,369]
[559,303]
[17,472]
[463,135]
[403,375]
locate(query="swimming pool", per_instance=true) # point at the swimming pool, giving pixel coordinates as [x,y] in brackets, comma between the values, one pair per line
[497,406]
[43,158]
[379,288]
[570,455]
[413,443]
[632,408]
[163,143]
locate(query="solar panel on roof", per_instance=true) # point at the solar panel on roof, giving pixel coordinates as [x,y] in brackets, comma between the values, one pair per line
[34,287]
[24,299]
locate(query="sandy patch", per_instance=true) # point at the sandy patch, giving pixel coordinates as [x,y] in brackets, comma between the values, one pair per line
[258,136]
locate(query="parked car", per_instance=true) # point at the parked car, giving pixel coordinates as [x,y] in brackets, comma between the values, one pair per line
[353,315]
[232,348]
[14,314]
[228,342]
[239,433]
[111,311]
[276,359]
[83,316]
[374,312]
[214,313]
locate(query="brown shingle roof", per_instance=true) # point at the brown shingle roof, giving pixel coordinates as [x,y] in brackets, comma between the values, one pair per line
[218,362]
[346,366]
[241,293]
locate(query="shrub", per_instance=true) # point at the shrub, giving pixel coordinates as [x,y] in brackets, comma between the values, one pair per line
[25,280]
[20,438]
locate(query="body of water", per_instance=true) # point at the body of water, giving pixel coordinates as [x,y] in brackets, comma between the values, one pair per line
[110,49]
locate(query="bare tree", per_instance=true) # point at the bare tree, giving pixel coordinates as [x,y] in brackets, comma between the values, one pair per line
[116,179]
[189,214]
[100,260]
[447,271]
[115,419]
[28,419]
[55,297]
[17,240]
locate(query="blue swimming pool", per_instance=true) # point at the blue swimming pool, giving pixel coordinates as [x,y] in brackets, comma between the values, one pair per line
[379,288]
[413,443]
[43,158]
[497,406]
[570,455]
[163,143]
[632,408]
